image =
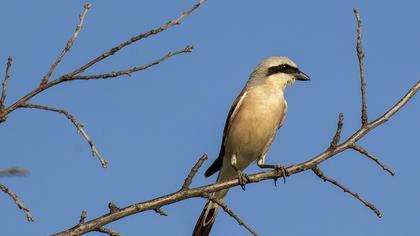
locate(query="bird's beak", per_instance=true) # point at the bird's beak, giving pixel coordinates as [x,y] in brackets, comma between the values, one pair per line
[302,76]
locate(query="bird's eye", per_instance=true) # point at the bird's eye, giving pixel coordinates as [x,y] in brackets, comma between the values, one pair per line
[284,67]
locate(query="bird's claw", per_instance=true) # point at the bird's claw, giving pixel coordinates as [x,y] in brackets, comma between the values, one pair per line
[243,179]
[282,170]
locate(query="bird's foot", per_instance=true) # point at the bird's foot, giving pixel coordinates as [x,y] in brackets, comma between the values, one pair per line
[243,179]
[278,168]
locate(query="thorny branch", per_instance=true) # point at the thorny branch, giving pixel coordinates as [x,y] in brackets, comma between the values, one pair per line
[311,164]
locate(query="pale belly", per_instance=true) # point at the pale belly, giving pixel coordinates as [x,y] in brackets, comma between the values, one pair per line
[253,130]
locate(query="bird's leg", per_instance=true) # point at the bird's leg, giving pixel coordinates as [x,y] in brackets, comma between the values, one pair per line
[242,177]
[280,168]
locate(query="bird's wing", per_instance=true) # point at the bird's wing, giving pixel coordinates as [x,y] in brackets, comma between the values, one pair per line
[284,114]
[217,164]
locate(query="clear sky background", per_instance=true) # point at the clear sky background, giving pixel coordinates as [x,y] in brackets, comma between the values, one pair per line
[153,126]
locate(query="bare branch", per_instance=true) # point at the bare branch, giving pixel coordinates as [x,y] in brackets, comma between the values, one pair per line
[130,71]
[361,56]
[13,171]
[321,175]
[160,212]
[87,7]
[231,213]
[155,31]
[193,171]
[68,76]
[337,135]
[198,192]
[4,85]
[373,158]
[15,198]
[79,128]
[110,232]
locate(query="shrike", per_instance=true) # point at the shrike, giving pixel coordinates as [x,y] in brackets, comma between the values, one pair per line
[252,123]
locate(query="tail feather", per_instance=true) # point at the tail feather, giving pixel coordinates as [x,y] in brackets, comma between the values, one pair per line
[206,220]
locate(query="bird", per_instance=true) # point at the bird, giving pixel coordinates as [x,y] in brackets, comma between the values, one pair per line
[251,125]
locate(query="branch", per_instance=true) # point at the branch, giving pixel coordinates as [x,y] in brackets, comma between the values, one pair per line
[360,56]
[337,135]
[87,7]
[231,213]
[15,198]
[110,232]
[255,178]
[188,180]
[321,175]
[79,128]
[373,158]
[155,31]
[13,171]
[4,87]
[114,74]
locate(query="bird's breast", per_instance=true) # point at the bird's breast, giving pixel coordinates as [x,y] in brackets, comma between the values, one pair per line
[256,123]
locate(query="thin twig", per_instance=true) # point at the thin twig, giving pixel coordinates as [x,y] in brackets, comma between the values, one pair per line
[321,175]
[337,135]
[82,15]
[160,211]
[13,171]
[133,70]
[373,158]
[4,85]
[231,213]
[68,76]
[15,198]
[79,128]
[110,232]
[155,31]
[361,56]
[193,171]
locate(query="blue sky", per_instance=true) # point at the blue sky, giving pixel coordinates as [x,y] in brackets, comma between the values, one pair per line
[153,126]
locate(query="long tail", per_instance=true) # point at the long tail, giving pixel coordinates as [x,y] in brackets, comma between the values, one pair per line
[208,215]
[206,220]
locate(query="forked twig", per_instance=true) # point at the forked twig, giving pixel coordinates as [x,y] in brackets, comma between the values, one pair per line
[82,16]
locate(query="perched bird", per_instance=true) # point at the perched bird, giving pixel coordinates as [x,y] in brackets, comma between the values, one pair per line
[252,123]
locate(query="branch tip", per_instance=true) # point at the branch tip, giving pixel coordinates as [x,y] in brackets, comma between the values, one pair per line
[193,171]
[321,175]
[372,157]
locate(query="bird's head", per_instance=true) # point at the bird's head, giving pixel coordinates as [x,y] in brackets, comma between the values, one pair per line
[282,70]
